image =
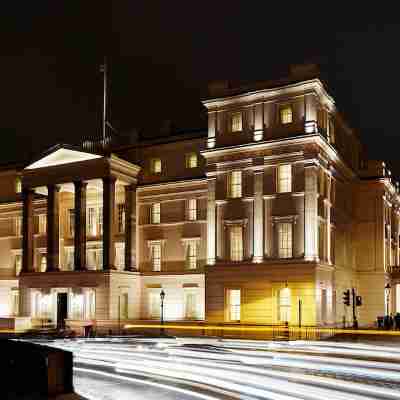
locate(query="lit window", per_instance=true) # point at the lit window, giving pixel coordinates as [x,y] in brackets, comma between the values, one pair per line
[91,225]
[156,256]
[234,304]
[192,210]
[236,122]
[121,218]
[284,178]
[191,256]
[71,222]
[191,160]
[42,224]
[236,242]
[285,240]
[15,301]
[155,216]
[284,305]
[18,226]
[18,185]
[154,304]
[286,115]
[235,184]
[155,166]
[18,264]
[69,258]
[120,255]
[94,259]
[43,262]
[191,302]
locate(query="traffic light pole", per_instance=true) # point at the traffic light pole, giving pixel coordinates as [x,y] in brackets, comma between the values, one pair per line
[353,295]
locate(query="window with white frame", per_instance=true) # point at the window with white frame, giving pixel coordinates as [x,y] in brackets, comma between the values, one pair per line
[42,223]
[236,242]
[192,209]
[284,304]
[236,120]
[71,222]
[234,304]
[121,218]
[155,165]
[285,245]
[191,255]
[235,184]
[18,226]
[155,213]
[191,160]
[286,114]
[155,256]
[191,301]
[284,178]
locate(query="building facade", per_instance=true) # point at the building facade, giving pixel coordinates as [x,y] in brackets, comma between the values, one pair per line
[273,210]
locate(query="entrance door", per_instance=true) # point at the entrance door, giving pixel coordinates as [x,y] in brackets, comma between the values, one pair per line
[62,309]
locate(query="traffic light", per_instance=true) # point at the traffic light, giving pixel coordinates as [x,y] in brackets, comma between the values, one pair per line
[346,297]
[358,301]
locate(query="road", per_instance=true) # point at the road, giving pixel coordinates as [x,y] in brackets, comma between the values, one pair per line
[209,369]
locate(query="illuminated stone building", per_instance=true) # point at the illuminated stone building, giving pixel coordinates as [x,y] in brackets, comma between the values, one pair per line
[276,205]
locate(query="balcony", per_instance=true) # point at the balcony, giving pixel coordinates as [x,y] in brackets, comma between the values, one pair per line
[394,271]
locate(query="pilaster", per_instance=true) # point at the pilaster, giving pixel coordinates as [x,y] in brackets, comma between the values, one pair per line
[80,226]
[53,229]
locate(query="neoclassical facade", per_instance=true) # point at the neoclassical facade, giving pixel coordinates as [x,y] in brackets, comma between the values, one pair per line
[274,210]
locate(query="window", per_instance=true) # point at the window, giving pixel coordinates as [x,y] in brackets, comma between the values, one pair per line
[15,301]
[284,178]
[18,264]
[191,255]
[100,220]
[285,240]
[234,304]
[191,160]
[236,242]
[286,114]
[94,259]
[237,122]
[121,218]
[120,255]
[18,185]
[191,302]
[18,226]
[43,262]
[156,256]
[90,309]
[284,305]
[155,166]
[69,258]
[154,304]
[42,224]
[71,222]
[91,225]
[235,184]
[192,210]
[155,216]
[124,303]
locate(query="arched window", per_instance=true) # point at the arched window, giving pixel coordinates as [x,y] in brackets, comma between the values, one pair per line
[284,305]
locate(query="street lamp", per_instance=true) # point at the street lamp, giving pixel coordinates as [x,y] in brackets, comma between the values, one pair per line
[162,296]
[387,292]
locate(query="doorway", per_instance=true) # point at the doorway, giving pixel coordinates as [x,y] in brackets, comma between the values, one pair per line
[62,309]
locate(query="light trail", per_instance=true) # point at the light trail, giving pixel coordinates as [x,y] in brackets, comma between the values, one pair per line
[245,369]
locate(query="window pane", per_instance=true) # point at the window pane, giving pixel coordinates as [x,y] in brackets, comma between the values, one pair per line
[234,304]
[155,165]
[155,213]
[236,122]
[235,189]
[284,178]
[156,257]
[236,242]
[192,210]
[286,115]
[284,305]
[191,257]
[191,160]
[285,239]
[121,218]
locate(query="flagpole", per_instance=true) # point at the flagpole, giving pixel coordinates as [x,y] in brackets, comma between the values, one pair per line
[104,99]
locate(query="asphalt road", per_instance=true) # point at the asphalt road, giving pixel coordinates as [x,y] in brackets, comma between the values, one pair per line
[132,368]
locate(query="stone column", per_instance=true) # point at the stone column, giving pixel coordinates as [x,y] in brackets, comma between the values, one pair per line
[108,222]
[53,229]
[258,224]
[328,206]
[80,226]
[27,230]
[311,213]
[211,232]
[130,227]
[397,239]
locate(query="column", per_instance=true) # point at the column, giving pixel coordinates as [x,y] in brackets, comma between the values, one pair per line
[130,228]
[397,244]
[328,206]
[27,230]
[53,229]
[311,213]
[258,224]
[108,222]
[211,237]
[80,226]
[220,231]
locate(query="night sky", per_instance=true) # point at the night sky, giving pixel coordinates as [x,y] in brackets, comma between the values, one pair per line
[162,56]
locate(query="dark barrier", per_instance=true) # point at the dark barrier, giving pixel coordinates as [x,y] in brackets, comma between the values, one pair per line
[32,369]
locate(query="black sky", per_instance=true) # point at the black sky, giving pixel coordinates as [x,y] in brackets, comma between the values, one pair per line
[162,54]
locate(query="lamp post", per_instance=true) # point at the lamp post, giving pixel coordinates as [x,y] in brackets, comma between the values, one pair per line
[162,296]
[387,292]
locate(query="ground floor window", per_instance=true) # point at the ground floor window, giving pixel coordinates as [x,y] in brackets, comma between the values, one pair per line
[123,306]
[154,304]
[284,305]
[120,255]
[15,302]
[234,304]
[94,258]
[398,298]
[191,305]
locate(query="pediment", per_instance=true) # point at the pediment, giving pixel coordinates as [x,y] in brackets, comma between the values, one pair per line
[61,156]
